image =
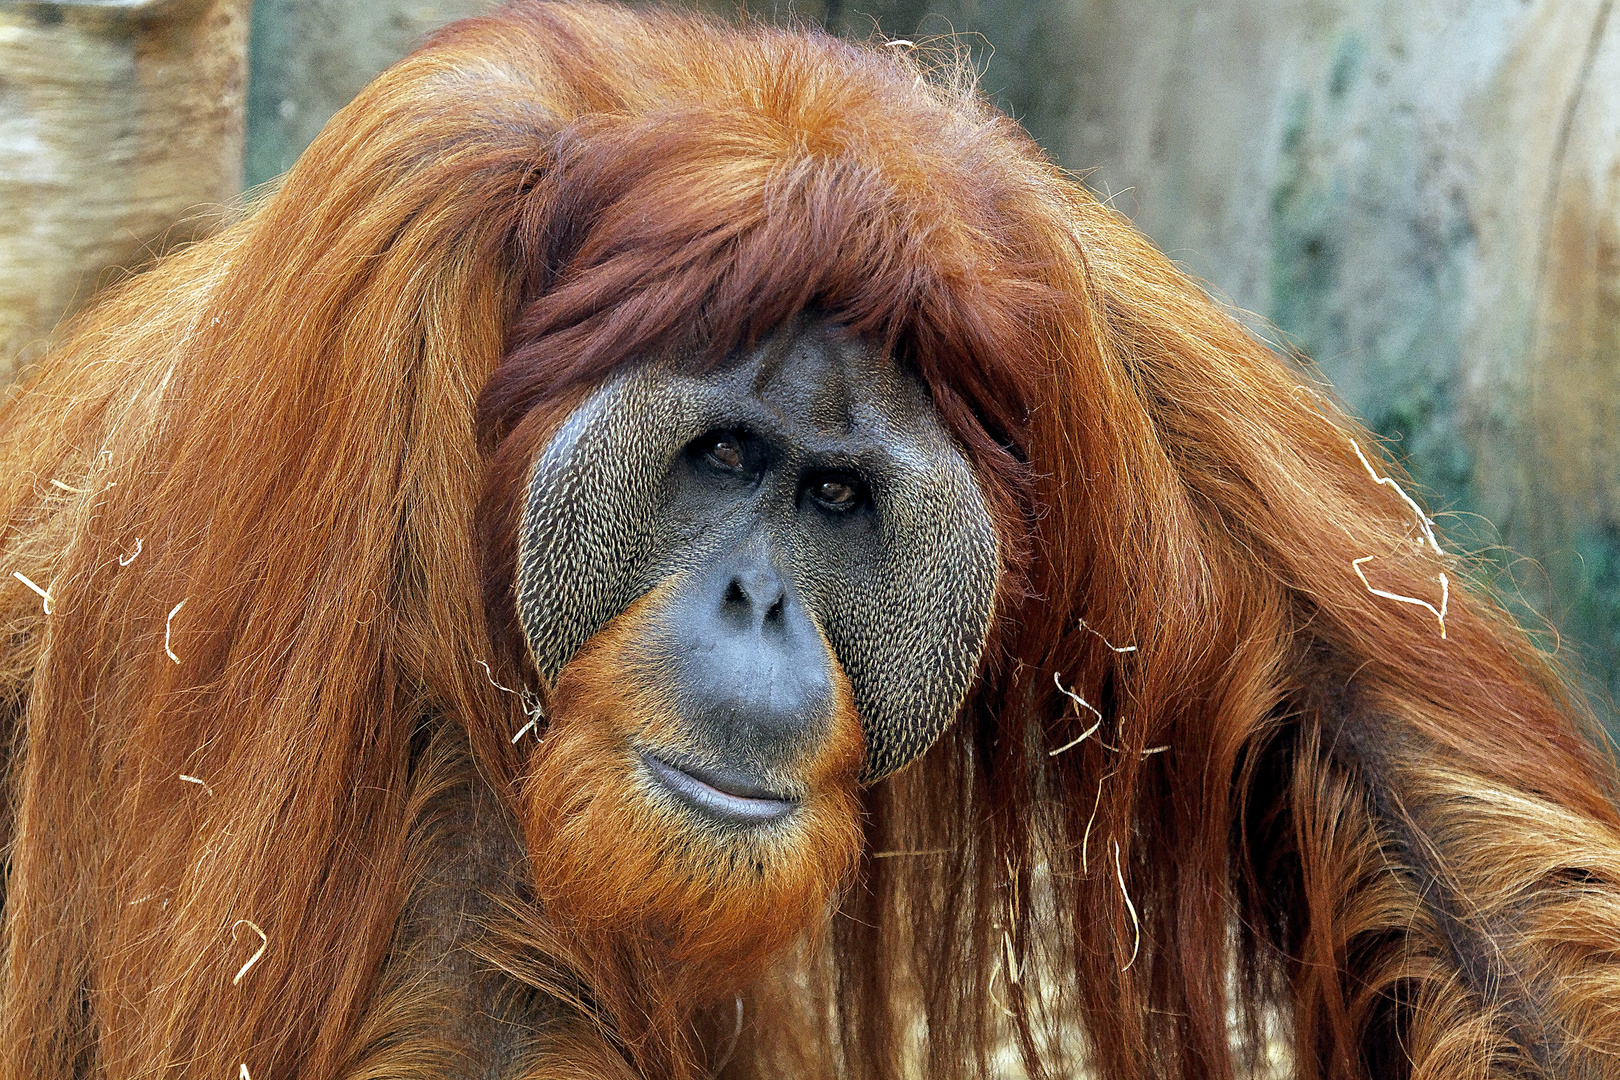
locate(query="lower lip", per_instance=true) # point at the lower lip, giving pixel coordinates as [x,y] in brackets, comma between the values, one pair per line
[733,809]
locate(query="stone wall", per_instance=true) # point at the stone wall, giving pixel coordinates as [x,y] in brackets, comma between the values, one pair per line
[310,57]
[120,135]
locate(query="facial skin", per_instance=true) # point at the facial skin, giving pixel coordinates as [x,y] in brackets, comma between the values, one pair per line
[795,517]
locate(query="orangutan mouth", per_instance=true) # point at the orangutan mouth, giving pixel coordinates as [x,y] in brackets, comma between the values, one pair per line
[722,794]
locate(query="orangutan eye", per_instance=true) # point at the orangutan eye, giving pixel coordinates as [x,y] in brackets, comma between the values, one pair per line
[838,492]
[723,450]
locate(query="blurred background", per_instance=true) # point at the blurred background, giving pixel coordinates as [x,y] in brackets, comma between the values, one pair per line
[1423,197]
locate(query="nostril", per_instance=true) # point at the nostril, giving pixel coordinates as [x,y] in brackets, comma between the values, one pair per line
[755,597]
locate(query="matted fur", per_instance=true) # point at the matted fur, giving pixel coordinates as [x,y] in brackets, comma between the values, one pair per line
[1304,804]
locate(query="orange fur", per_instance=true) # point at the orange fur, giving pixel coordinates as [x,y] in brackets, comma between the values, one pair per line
[1396,852]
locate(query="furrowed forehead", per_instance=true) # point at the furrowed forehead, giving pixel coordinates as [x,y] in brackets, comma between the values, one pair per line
[818,384]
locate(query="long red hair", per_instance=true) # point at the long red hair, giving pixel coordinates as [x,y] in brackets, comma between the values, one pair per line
[270,490]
